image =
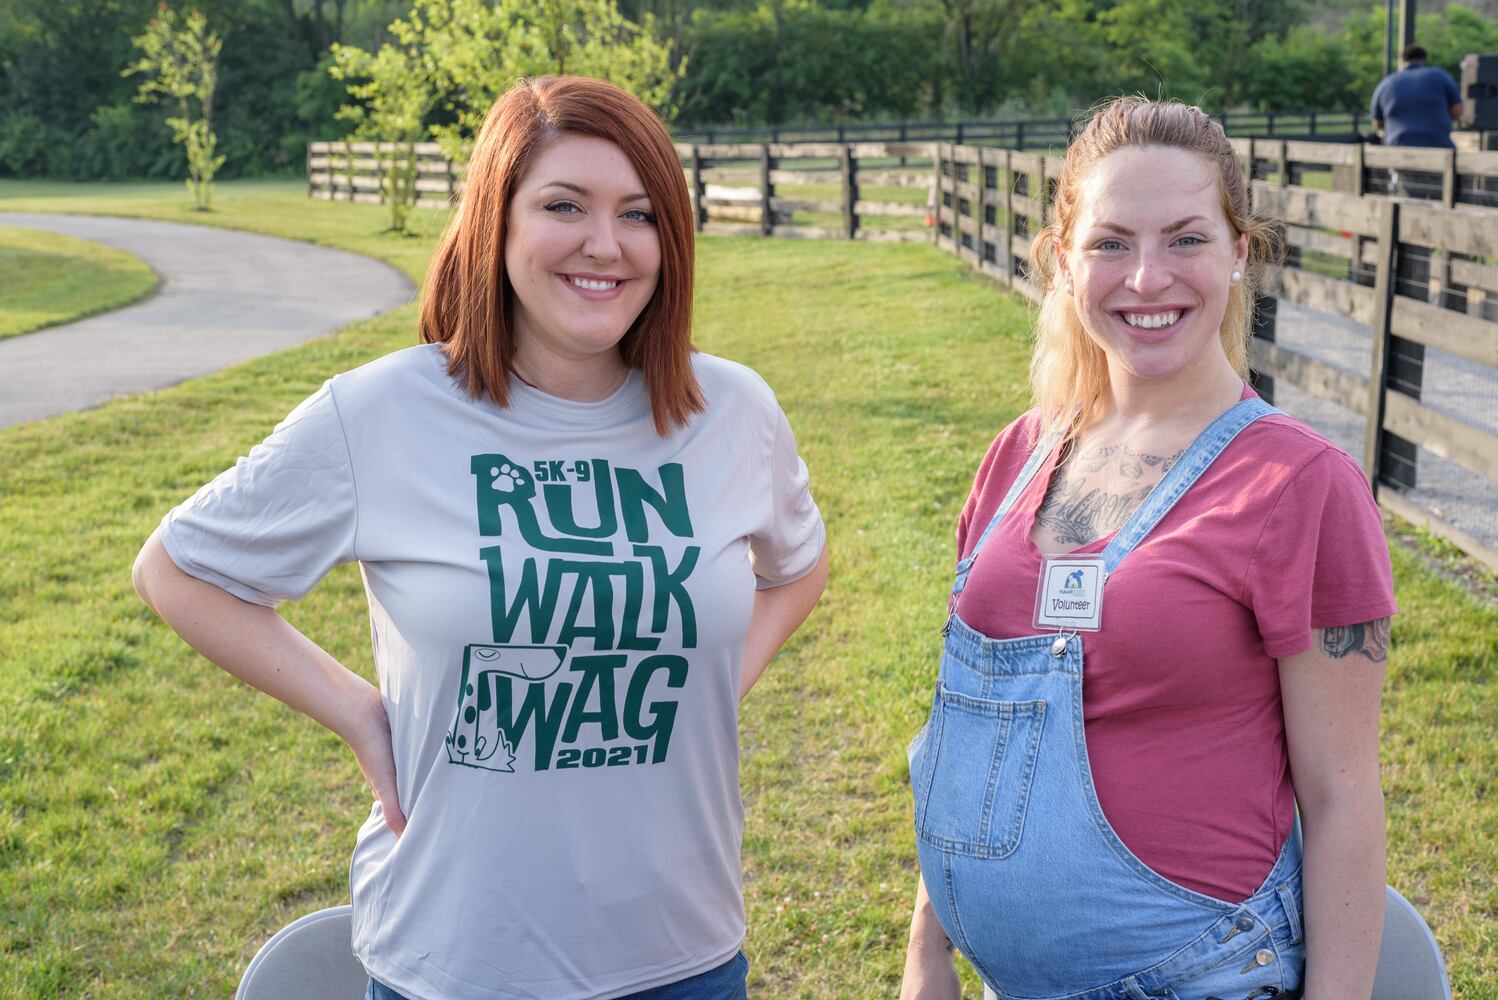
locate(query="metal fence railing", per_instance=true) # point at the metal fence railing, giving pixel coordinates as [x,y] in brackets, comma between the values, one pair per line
[1032,133]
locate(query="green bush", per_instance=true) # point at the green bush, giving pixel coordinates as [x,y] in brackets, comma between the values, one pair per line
[24,143]
[1308,68]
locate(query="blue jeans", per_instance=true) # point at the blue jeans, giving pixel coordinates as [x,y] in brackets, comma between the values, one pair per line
[726,982]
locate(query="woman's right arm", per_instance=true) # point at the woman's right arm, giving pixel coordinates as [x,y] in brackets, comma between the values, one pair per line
[258,646]
[929,971]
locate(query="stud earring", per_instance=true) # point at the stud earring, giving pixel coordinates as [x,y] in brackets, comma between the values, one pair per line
[1237,275]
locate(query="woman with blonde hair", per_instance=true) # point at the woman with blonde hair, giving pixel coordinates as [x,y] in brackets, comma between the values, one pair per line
[1168,630]
[581,543]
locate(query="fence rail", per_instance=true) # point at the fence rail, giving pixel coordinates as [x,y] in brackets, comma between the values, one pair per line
[1326,126]
[360,171]
[1393,251]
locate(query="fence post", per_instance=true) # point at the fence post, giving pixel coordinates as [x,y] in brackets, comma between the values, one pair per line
[850,191]
[1381,463]
[699,197]
[1348,178]
[766,192]
[1042,196]
[1019,135]
[309,170]
[1008,244]
[980,211]
[1266,313]
[936,193]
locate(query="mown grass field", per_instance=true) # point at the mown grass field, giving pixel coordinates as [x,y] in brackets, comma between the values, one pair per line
[47,279]
[158,820]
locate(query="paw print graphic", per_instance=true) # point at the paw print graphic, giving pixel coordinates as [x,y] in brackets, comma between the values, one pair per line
[506,478]
[511,481]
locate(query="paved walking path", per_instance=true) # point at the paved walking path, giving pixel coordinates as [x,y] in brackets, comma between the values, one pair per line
[225,296]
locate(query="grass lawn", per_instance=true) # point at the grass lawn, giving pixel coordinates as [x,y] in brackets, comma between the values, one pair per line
[47,279]
[158,820]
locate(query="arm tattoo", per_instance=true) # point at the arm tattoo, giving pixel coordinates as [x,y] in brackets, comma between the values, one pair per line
[1370,638]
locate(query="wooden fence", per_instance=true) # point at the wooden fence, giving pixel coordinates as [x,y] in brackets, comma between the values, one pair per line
[1420,272]
[862,190]
[351,171]
[1402,241]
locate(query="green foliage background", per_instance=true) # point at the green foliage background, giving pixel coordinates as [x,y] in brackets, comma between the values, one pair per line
[65,112]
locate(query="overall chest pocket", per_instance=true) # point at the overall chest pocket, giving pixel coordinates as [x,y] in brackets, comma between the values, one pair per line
[972,773]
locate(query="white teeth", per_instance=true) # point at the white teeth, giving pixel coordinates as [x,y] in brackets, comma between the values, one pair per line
[1151,321]
[593,286]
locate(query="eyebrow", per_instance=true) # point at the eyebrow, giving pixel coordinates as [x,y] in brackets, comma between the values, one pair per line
[639,196]
[1173,227]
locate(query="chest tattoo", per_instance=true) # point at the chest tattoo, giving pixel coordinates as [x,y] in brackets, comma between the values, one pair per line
[1097,489]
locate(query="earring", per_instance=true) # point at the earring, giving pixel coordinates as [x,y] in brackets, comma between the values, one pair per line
[1237,275]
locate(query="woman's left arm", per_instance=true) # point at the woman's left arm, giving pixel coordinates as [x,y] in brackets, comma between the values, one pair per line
[1331,697]
[778,612]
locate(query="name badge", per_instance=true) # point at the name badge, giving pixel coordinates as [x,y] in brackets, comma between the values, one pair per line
[1070,595]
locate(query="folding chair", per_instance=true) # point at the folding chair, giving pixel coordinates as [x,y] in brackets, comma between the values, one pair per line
[1410,966]
[308,959]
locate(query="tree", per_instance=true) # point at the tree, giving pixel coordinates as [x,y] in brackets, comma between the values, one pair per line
[978,31]
[477,50]
[451,59]
[1308,68]
[394,92]
[783,62]
[180,60]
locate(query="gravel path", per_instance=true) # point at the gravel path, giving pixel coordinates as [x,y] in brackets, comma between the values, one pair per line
[225,296]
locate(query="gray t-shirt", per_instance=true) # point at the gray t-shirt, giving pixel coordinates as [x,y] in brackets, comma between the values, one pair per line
[558,601]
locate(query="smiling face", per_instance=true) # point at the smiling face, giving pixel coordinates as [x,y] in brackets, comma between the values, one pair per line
[1150,260]
[582,254]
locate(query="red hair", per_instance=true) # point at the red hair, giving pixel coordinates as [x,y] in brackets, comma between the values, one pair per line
[466,303]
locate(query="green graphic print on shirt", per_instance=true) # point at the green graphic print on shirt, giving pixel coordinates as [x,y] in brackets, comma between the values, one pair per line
[510,690]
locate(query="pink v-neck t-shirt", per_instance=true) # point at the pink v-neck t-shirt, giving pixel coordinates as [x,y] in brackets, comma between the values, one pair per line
[1180,687]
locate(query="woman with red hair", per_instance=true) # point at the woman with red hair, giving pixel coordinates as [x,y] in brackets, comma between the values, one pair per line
[581,542]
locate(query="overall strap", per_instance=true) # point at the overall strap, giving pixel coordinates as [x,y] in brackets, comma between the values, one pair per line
[1186,471]
[1026,473]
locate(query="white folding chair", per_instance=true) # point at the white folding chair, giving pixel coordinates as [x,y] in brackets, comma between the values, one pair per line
[310,958]
[1410,966]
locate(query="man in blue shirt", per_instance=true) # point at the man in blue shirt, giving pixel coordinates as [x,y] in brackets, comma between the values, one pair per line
[1415,106]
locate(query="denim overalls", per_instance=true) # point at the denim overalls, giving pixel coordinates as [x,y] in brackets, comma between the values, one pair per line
[1024,872]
